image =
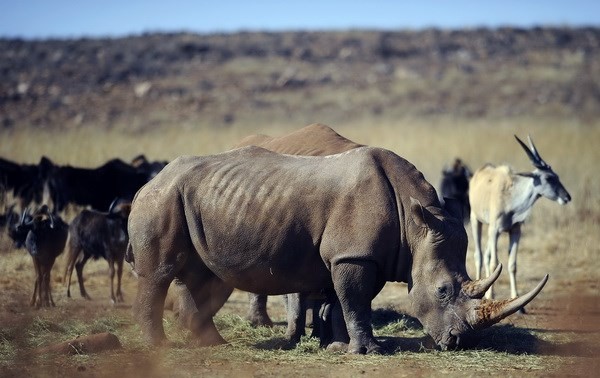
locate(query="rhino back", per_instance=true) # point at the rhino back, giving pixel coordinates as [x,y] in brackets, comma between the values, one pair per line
[313,140]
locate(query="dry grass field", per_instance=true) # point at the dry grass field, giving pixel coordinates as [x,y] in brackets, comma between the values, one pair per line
[559,337]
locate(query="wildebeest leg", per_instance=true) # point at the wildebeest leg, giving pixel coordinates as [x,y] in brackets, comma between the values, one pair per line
[79,268]
[72,254]
[45,289]
[514,237]
[208,293]
[257,310]
[476,229]
[49,268]
[296,316]
[355,285]
[148,307]
[36,285]
[119,277]
[49,288]
[111,275]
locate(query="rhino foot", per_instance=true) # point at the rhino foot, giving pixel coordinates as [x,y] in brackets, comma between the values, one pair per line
[337,347]
[258,320]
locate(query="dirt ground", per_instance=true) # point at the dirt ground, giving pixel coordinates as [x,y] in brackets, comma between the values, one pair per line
[564,319]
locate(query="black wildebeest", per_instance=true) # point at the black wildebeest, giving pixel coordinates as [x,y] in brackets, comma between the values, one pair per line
[44,235]
[150,168]
[97,234]
[96,187]
[24,181]
[455,185]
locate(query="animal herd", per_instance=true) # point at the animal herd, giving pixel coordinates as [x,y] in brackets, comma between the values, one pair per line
[312,215]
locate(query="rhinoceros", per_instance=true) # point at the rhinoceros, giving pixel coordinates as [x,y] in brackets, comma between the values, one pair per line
[273,224]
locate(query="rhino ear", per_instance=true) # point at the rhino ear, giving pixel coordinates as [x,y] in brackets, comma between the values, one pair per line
[418,213]
[422,217]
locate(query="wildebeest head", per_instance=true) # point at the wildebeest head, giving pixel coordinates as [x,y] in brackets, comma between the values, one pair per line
[455,184]
[446,301]
[40,221]
[18,231]
[119,210]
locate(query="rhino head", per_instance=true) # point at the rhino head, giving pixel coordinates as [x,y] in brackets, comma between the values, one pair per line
[444,299]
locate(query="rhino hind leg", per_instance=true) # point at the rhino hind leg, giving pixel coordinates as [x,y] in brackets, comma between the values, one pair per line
[355,285]
[257,311]
[201,294]
[148,308]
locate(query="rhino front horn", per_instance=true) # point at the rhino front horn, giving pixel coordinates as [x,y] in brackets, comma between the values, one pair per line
[490,312]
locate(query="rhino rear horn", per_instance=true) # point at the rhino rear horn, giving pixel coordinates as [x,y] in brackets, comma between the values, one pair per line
[477,289]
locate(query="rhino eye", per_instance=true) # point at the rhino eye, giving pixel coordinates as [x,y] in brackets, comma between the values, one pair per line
[443,291]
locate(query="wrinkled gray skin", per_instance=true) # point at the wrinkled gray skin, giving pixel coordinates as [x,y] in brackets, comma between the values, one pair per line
[313,140]
[275,224]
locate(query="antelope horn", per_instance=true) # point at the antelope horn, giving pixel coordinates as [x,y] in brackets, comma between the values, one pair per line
[532,153]
[476,289]
[537,154]
[490,312]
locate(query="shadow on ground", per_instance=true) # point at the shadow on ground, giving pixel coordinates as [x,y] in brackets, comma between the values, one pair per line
[504,338]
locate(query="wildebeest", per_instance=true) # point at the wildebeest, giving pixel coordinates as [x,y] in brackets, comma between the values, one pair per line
[503,200]
[149,168]
[98,234]
[455,185]
[313,140]
[44,235]
[96,187]
[273,224]
[24,181]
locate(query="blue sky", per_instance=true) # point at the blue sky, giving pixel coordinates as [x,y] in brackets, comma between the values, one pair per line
[72,19]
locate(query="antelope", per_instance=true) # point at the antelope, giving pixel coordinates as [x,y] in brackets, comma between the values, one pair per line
[503,200]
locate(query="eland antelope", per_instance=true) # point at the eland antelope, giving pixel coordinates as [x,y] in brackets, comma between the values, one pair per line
[503,200]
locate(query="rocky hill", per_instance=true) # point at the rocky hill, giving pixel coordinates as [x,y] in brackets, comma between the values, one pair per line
[161,80]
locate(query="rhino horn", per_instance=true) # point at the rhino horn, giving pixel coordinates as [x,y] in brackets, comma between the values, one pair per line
[476,289]
[489,312]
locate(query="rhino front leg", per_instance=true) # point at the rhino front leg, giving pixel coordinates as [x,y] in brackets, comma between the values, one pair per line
[257,310]
[355,283]
[148,308]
